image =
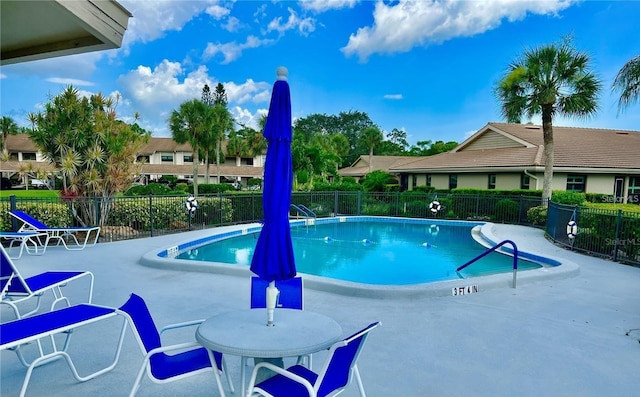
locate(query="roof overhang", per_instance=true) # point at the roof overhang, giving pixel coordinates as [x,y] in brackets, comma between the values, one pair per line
[536,169]
[32,30]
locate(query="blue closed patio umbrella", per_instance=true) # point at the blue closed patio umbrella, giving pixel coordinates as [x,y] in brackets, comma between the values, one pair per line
[273,255]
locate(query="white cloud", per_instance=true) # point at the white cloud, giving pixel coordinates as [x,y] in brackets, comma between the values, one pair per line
[249,91]
[326,5]
[69,81]
[217,11]
[155,92]
[393,96]
[232,51]
[233,24]
[401,26]
[151,19]
[304,26]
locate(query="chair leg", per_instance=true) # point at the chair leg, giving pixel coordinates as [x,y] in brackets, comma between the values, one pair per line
[216,373]
[359,380]
[136,385]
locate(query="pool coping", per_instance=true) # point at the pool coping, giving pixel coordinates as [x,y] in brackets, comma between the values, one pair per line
[557,268]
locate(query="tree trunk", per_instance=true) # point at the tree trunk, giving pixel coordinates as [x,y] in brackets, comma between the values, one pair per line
[218,159]
[206,172]
[547,154]
[196,161]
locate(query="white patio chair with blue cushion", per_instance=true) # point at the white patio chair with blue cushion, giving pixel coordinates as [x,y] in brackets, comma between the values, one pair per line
[190,358]
[291,293]
[34,243]
[59,234]
[332,380]
[291,296]
[17,289]
[14,335]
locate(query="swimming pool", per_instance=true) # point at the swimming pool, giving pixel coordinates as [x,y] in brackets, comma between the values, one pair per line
[373,251]
[553,268]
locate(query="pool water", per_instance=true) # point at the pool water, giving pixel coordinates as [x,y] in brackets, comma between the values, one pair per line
[374,252]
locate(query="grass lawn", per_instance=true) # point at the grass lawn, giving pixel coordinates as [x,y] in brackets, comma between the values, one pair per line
[36,193]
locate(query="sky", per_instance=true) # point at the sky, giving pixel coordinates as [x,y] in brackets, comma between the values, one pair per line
[426,67]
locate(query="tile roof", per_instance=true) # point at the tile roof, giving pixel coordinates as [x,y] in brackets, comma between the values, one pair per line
[573,148]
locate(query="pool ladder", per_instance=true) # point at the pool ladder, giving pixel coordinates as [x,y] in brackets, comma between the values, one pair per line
[306,212]
[490,250]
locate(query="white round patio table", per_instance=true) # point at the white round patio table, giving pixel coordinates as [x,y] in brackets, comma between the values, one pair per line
[245,333]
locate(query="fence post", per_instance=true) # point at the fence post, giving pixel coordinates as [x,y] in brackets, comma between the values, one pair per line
[96,210]
[520,210]
[358,202]
[151,213]
[617,237]
[335,203]
[13,207]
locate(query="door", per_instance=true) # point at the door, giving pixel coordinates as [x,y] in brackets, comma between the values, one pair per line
[618,189]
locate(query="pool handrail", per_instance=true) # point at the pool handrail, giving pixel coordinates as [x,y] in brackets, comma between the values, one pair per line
[304,211]
[494,248]
[308,210]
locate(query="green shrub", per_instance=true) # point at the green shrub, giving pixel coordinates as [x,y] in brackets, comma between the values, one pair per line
[424,189]
[537,215]
[254,182]
[506,211]
[568,198]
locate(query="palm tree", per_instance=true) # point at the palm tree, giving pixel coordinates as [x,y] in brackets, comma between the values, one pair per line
[188,125]
[222,124]
[237,145]
[371,137]
[550,80]
[8,126]
[627,81]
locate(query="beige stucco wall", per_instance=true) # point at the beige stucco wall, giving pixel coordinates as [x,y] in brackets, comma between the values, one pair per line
[508,181]
[600,183]
[440,181]
[476,181]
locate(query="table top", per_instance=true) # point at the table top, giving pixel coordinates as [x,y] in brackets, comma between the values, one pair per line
[245,333]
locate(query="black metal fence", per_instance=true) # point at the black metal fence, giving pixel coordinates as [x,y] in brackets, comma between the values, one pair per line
[612,234]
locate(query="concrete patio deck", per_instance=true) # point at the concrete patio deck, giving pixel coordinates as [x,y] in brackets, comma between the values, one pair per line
[555,337]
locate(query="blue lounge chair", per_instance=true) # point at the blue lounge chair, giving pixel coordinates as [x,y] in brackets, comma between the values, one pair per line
[34,243]
[17,289]
[61,235]
[190,357]
[332,380]
[44,326]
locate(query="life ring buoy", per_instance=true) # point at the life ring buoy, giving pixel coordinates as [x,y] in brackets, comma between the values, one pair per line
[192,204]
[572,229]
[435,206]
[434,230]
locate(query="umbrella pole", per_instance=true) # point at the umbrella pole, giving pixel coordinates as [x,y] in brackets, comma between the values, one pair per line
[272,297]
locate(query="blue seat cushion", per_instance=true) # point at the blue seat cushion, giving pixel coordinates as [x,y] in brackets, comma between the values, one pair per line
[165,366]
[282,386]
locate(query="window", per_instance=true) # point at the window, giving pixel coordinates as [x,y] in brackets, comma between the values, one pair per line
[576,183]
[187,158]
[166,158]
[414,180]
[525,181]
[247,161]
[28,156]
[143,159]
[453,181]
[428,179]
[492,181]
